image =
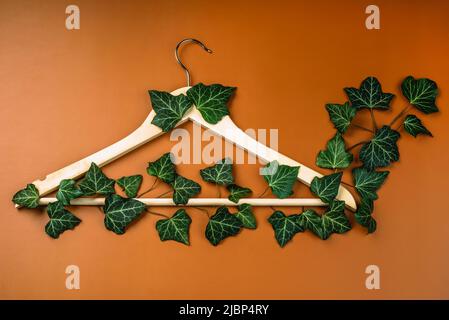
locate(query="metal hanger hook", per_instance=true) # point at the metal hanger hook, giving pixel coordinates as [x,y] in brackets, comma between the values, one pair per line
[188,40]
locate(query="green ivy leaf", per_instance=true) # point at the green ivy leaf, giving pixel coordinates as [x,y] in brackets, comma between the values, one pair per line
[367,182]
[96,182]
[220,173]
[414,126]
[175,228]
[326,187]
[60,220]
[246,216]
[68,191]
[120,212]
[163,168]
[421,93]
[184,189]
[369,95]
[334,219]
[222,225]
[169,109]
[28,197]
[363,215]
[237,192]
[211,100]
[310,220]
[382,150]
[285,227]
[130,185]
[341,115]
[280,178]
[335,155]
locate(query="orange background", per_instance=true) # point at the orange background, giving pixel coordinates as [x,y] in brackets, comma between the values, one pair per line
[66,94]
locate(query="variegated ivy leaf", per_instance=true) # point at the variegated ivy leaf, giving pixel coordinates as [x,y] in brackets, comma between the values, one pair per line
[184,189]
[163,168]
[211,100]
[60,220]
[382,150]
[414,126]
[130,185]
[363,215]
[220,173]
[334,219]
[341,115]
[175,228]
[28,197]
[326,187]
[280,178]
[421,93]
[246,216]
[120,212]
[285,227]
[367,182]
[237,192]
[68,191]
[369,95]
[222,225]
[335,155]
[96,182]
[169,109]
[310,220]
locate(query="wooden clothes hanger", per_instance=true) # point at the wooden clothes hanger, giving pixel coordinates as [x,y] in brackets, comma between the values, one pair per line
[225,128]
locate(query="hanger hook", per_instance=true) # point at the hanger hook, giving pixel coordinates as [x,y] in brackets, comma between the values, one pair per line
[179,60]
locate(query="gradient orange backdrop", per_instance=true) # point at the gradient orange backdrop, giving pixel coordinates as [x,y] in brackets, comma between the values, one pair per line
[66,94]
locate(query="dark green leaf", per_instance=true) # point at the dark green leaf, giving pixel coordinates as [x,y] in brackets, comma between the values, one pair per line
[60,220]
[280,178]
[130,185]
[363,215]
[246,216]
[326,187]
[341,115]
[28,197]
[368,182]
[421,93]
[169,109]
[68,191]
[163,168]
[175,228]
[310,220]
[220,173]
[184,189]
[285,227]
[96,182]
[237,192]
[414,126]
[382,150]
[120,212]
[335,155]
[222,225]
[334,219]
[369,95]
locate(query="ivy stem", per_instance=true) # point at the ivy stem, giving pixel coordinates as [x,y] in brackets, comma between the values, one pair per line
[348,184]
[150,189]
[362,128]
[400,127]
[203,210]
[263,193]
[163,194]
[400,114]
[100,208]
[272,208]
[355,145]
[158,214]
[373,120]
[218,191]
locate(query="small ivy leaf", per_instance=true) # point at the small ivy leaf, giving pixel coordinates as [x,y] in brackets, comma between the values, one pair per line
[60,220]
[341,115]
[363,215]
[222,225]
[285,227]
[28,197]
[120,212]
[368,182]
[211,100]
[68,191]
[382,150]
[163,168]
[335,155]
[130,185]
[175,228]
[414,126]
[96,182]
[246,216]
[184,189]
[421,93]
[310,220]
[326,187]
[280,178]
[237,192]
[169,109]
[220,173]
[369,95]
[334,219]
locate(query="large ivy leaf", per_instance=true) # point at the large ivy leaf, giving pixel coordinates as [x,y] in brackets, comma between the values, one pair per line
[363,215]
[326,187]
[334,219]
[169,108]
[28,197]
[280,178]
[237,192]
[68,191]
[120,212]
[367,182]
[421,93]
[222,225]
[184,189]
[335,155]
[175,228]
[310,220]
[130,185]
[382,150]
[211,100]
[220,173]
[341,115]
[285,227]
[96,182]
[414,126]
[246,216]
[369,95]
[60,220]
[163,168]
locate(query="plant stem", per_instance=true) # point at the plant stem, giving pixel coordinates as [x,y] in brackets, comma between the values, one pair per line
[151,188]
[348,184]
[263,193]
[272,208]
[163,194]
[218,191]
[362,128]
[355,145]
[203,210]
[373,120]
[158,214]
[403,111]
